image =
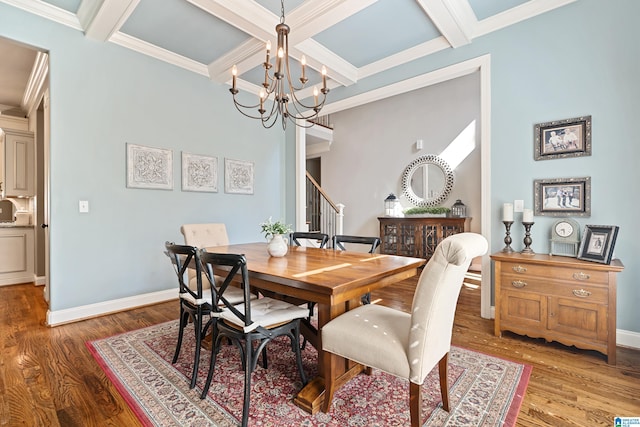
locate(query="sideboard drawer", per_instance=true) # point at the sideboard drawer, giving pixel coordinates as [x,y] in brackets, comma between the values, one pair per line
[573,290]
[560,273]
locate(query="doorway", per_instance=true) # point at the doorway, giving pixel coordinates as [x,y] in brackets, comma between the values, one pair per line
[24,104]
[481,65]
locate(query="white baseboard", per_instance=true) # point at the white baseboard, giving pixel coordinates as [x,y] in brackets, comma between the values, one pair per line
[16,279]
[75,314]
[40,281]
[628,339]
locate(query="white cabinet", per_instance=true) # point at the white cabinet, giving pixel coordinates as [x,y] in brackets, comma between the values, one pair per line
[16,255]
[17,172]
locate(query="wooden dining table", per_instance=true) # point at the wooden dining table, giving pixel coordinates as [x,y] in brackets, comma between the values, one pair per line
[334,280]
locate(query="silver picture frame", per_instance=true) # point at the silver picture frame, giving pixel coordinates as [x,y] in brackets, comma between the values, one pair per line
[561,139]
[149,167]
[562,197]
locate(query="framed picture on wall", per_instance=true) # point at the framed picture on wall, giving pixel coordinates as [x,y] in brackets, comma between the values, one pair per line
[562,138]
[149,167]
[199,173]
[238,176]
[597,243]
[562,197]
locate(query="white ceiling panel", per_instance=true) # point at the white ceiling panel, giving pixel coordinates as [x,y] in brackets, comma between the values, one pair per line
[68,5]
[487,8]
[182,28]
[380,30]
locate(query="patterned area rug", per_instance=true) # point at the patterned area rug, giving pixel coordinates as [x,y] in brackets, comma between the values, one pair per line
[484,390]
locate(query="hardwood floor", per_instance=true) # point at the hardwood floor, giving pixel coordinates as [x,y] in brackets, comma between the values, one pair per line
[48,377]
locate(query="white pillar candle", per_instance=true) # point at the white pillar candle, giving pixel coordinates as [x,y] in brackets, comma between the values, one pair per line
[507,212]
[527,215]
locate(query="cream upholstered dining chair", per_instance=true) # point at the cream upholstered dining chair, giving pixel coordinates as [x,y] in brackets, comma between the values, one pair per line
[407,345]
[202,236]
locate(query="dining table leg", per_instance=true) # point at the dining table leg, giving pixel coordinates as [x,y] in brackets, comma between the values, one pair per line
[310,398]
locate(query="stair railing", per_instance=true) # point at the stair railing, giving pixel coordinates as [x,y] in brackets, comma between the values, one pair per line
[323,215]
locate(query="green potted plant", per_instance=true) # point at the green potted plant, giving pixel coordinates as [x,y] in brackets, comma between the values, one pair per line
[436,211]
[273,232]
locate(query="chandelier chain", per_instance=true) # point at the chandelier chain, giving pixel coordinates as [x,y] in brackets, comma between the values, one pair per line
[282,11]
[279,88]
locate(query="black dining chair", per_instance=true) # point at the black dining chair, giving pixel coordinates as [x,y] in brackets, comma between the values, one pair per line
[195,303]
[372,243]
[320,239]
[254,320]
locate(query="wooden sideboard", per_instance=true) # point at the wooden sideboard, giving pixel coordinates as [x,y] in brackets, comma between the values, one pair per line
[557,298]
[417,236]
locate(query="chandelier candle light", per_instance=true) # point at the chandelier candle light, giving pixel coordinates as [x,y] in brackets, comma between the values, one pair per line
[280,89]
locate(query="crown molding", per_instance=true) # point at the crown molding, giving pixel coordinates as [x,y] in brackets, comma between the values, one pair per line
[159,53]
[36,83]
[517,14]
[48,11]
[416,52]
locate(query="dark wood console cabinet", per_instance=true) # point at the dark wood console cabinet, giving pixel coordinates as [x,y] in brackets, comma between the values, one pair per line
[417,236]
[557,298]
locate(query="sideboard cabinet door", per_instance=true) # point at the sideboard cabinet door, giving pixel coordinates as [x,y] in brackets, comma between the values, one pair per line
[417,236]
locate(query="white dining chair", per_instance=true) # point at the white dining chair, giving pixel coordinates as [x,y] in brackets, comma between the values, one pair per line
[407,345]
[203,236]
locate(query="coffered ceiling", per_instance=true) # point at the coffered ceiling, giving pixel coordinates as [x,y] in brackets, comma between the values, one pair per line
[354,39]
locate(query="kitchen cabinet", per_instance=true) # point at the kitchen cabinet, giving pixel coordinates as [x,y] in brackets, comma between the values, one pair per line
[16,255]
[557,298]
[417,236]
[17,170]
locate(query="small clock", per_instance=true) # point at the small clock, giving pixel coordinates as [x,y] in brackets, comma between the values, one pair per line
[565,237]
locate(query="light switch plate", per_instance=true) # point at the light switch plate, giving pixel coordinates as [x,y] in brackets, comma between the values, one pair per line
[518,205]
[83,206]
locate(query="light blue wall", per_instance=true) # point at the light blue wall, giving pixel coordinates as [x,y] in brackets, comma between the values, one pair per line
[580,59]
[102,97]
[590,67]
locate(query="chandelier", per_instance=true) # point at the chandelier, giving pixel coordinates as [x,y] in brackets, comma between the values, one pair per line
[279,91]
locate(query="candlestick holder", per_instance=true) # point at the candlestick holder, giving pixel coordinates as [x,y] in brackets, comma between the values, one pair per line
[527,239]
[507,237]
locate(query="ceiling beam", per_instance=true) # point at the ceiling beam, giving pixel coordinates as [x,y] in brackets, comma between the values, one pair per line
[453,18]
[306,21]
[102,19]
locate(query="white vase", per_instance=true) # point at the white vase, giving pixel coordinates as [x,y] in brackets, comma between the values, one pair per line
[277,246]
